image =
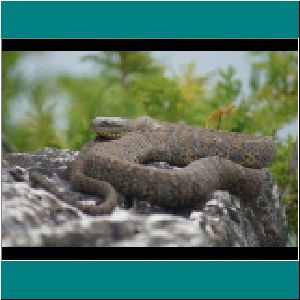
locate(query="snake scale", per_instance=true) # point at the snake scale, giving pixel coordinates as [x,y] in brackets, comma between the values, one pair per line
[208,159]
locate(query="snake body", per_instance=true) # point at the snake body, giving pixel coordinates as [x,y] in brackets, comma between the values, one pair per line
[209,160]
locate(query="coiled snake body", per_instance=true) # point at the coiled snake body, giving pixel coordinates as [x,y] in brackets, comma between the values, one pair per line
[209,160]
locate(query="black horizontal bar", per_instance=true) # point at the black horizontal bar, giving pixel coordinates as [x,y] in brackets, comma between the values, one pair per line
[153,253]
[150,44]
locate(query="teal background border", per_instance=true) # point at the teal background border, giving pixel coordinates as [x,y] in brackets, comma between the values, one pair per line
[182,19]
[142,279]
[62,279]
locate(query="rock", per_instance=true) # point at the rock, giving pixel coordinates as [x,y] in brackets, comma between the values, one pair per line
[34,217]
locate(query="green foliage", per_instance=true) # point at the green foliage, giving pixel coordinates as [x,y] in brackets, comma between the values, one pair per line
[228,88]
[159,95]
[12,84]
[39,121]
[287,180]
[89,97]
[123,66]
[38,127]
[132,83]
[274,83]
[223,100]
[275,74]
[193,92]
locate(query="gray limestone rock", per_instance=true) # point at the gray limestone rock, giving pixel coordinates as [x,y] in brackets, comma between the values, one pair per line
[32,216]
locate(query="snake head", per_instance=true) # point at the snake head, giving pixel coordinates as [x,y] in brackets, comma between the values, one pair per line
[111,127]
[115,127]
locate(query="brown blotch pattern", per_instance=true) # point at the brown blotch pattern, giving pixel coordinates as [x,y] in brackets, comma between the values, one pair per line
[210,160]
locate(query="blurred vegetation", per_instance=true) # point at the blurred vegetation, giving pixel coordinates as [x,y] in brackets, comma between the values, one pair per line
[284,169]
[131,84]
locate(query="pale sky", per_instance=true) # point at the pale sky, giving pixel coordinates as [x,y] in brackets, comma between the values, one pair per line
[42,64]
[51,63]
